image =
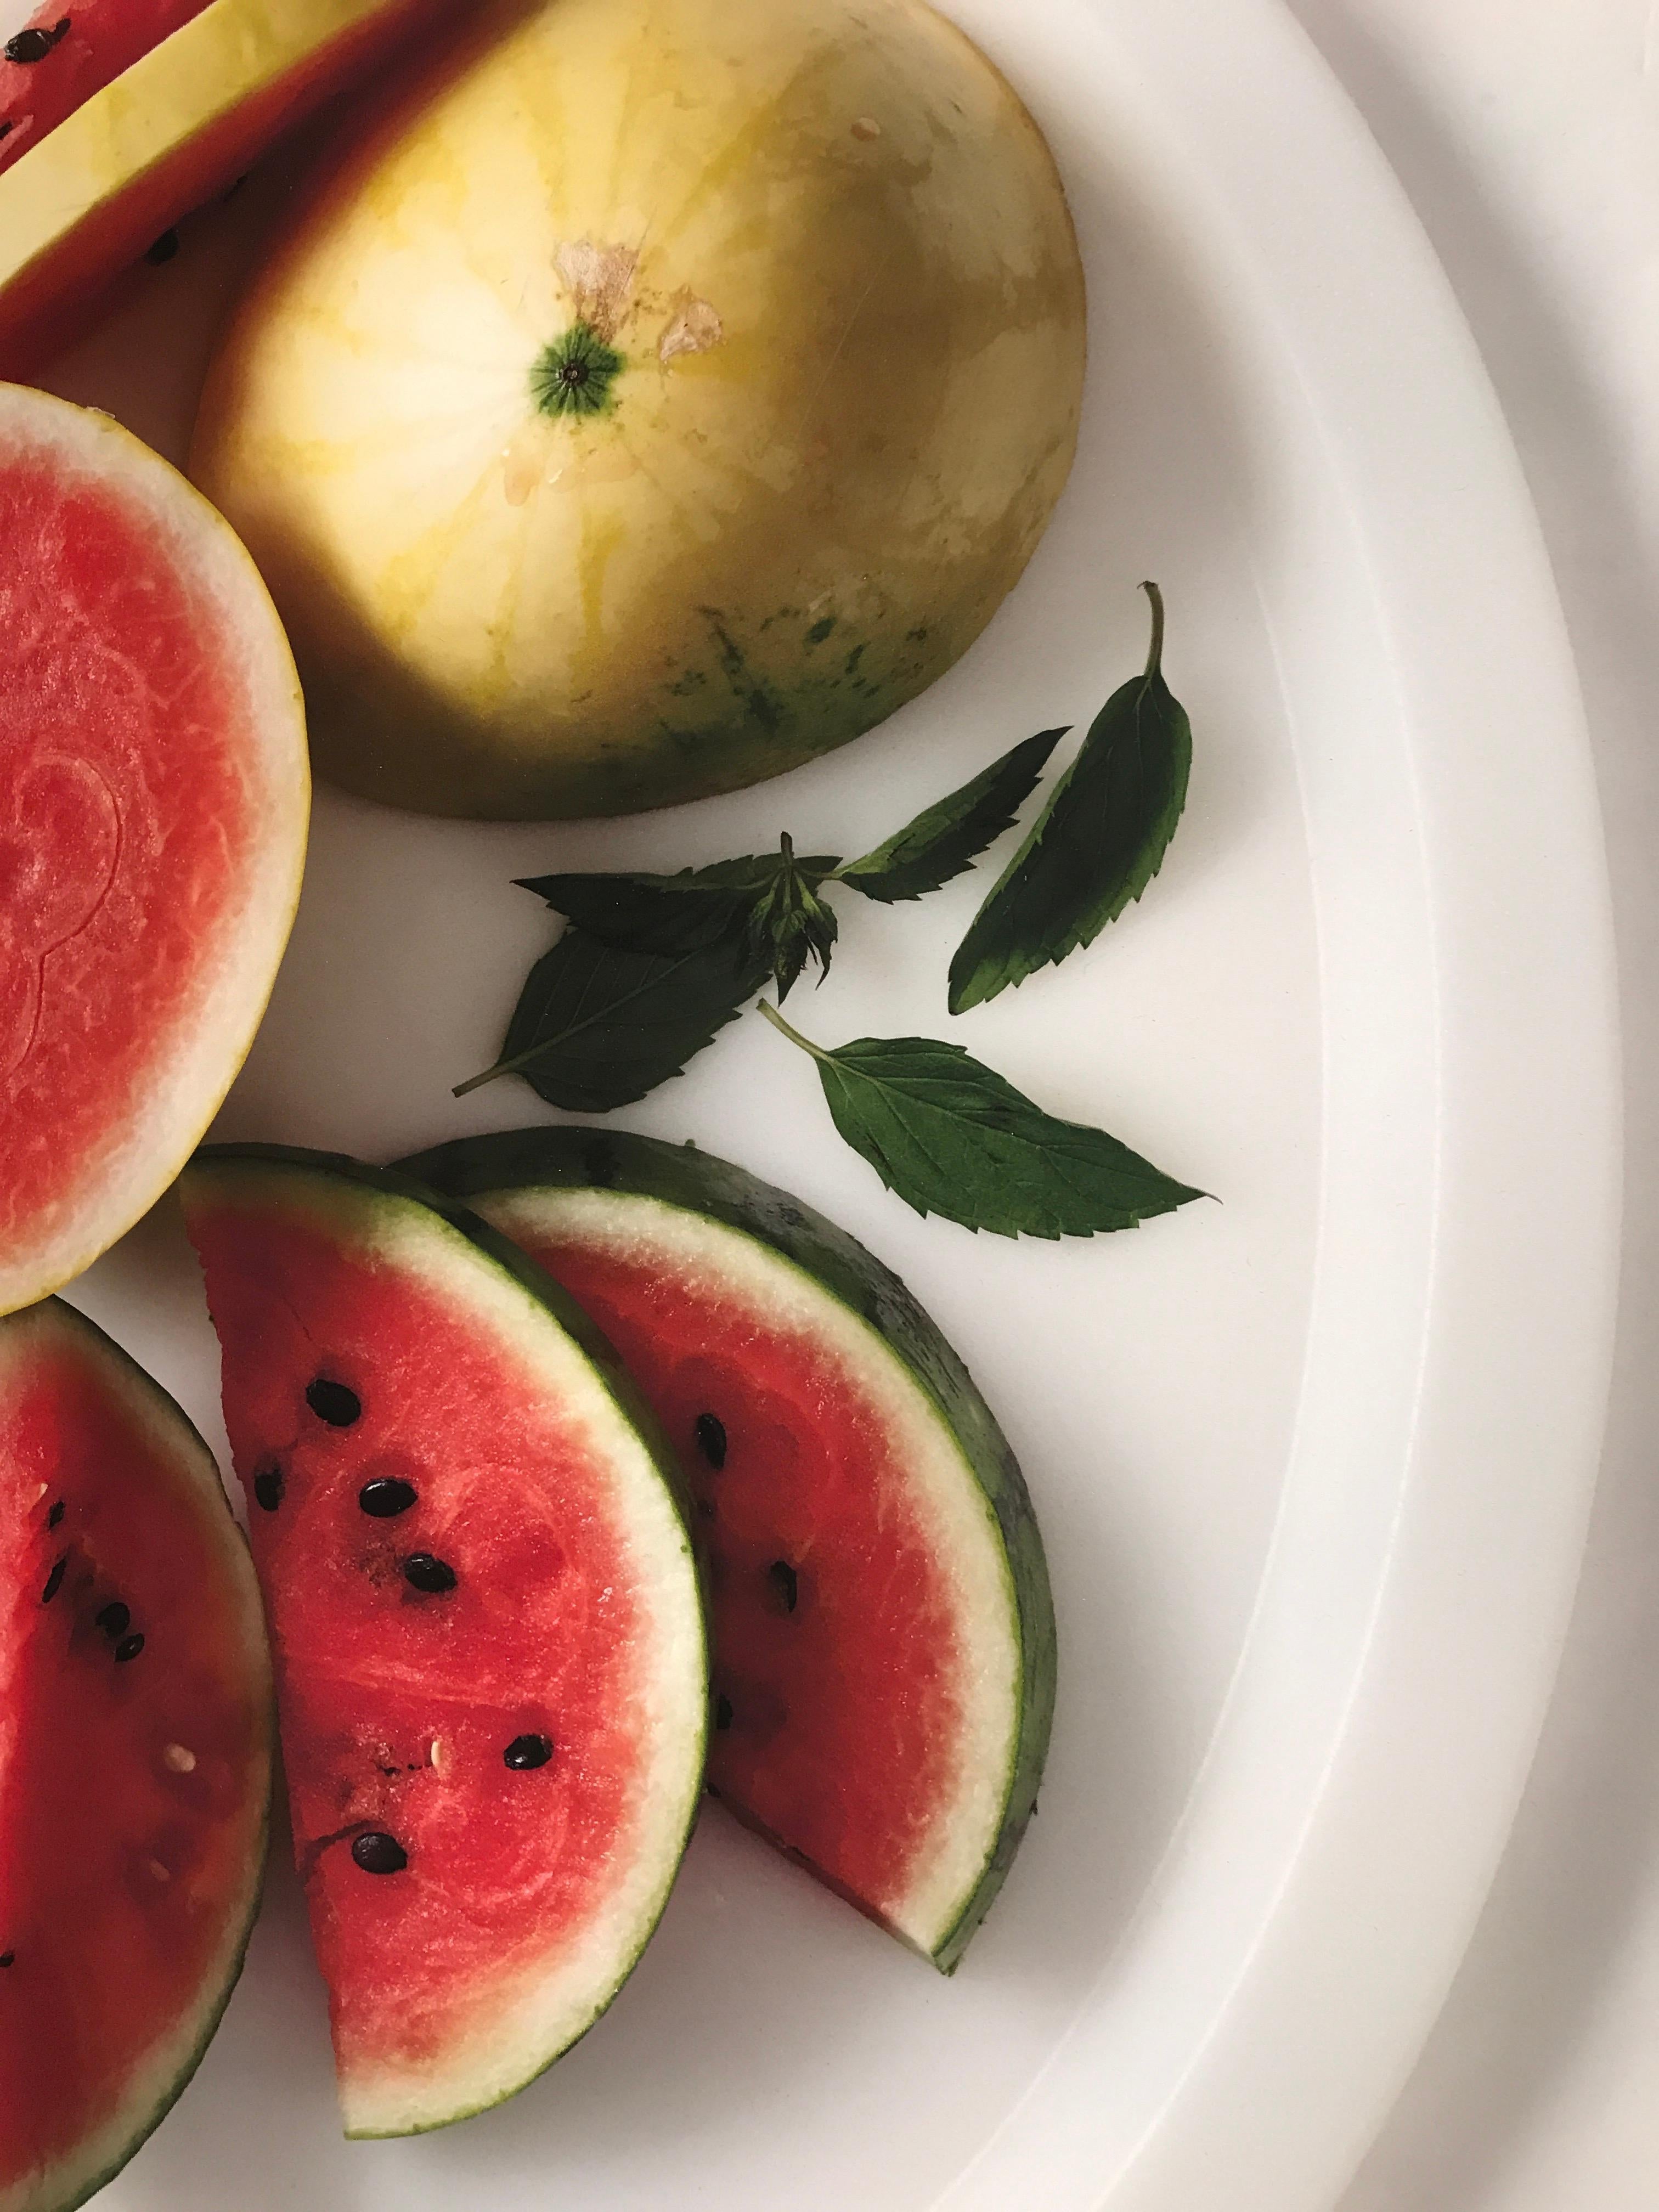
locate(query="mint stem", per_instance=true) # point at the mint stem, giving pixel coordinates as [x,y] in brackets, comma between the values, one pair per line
[793,1034]
[502,1067]
[1154,658]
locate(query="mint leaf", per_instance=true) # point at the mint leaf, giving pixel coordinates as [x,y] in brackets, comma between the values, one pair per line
[947,838]
[790,922]
[685,913]
[1097,844]
[599,1025]
[950,1136]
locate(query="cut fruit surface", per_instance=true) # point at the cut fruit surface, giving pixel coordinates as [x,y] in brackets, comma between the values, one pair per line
[134,1756]
[488,1630]
[155,798]
[884,1636]
[60,59]
[144,110]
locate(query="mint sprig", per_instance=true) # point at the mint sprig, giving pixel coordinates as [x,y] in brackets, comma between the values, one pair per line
[946,838]
[950,1136]
[650,968]
[1097,843]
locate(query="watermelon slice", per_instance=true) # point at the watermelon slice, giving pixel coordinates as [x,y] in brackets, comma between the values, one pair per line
[68,50]
[141,111]
[884,1636]
[134,1756]
[155,796]
[490,1663]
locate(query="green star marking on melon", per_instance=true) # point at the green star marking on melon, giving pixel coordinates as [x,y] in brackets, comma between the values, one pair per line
[576,374]
[884,1633]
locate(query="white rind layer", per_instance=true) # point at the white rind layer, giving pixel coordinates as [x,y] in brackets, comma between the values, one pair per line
[951,1507]
[194,1068]
[169,2064]
[519,2030]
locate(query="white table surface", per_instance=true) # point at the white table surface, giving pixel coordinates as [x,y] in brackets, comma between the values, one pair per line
[1527,132]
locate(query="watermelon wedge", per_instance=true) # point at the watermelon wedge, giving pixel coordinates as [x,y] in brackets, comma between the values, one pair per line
[134,1756]
[884,1635]
[491,1664]
[142,111]
[155,796]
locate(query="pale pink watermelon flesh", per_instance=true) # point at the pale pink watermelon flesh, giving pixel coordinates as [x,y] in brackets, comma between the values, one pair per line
[153,808]
[100,38]
[134,1753]
[58,295]
[483,1718]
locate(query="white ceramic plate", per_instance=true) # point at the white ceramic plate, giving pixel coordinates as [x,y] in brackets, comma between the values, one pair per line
[1312,1462]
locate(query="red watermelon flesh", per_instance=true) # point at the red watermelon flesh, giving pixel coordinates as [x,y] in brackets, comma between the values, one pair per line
[98,40]
[530,1586]
[884,1639]
[135,1746]
[153,798]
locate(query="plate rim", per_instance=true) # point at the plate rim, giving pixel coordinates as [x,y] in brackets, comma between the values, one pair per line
[1432,1736]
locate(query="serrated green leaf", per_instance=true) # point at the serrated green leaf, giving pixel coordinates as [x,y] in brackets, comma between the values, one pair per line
[950,1136]
[1097,844]
[791,923]
[600,1025]
[945,838]
[683,913]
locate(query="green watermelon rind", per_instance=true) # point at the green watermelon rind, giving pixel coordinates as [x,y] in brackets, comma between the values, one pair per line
[390,1183]
[578,1155]
[190,1445]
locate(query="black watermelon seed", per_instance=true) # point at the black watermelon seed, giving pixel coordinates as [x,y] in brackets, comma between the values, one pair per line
[711,1439]
[525,1752]
[722,1712]
[54,1519]
[785,1584]
[8,1958]
[165,249]
[6,130]
[116,1618]
[34,45]
[333,1403]
[128,1647]
[423,1572]
[54,1580]
[379,1853]
[268,1487]
[386,1496]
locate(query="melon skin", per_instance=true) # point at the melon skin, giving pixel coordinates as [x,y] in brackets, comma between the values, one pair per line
[814,263]
[155,808]
[82,198]
[75,1414]
[413,2066]
[524,1181]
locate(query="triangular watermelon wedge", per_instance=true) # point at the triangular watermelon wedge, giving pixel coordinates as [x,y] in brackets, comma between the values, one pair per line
[489,1648]
[884,1633]
[136,1733]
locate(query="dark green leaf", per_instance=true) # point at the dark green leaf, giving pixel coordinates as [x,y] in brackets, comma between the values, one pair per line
[599,1025]
[948,837]
[683,913]
[950,1136]
[1095,846]
[790,922]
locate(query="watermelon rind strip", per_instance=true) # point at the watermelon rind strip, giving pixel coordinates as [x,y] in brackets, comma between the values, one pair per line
[582,1157]
[267,1161]
[185,1442]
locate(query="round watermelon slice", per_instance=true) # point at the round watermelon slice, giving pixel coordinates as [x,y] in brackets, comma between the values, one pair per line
[490,1663]
[155,796]
[138,112]
[884,1635]
[134,1756]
